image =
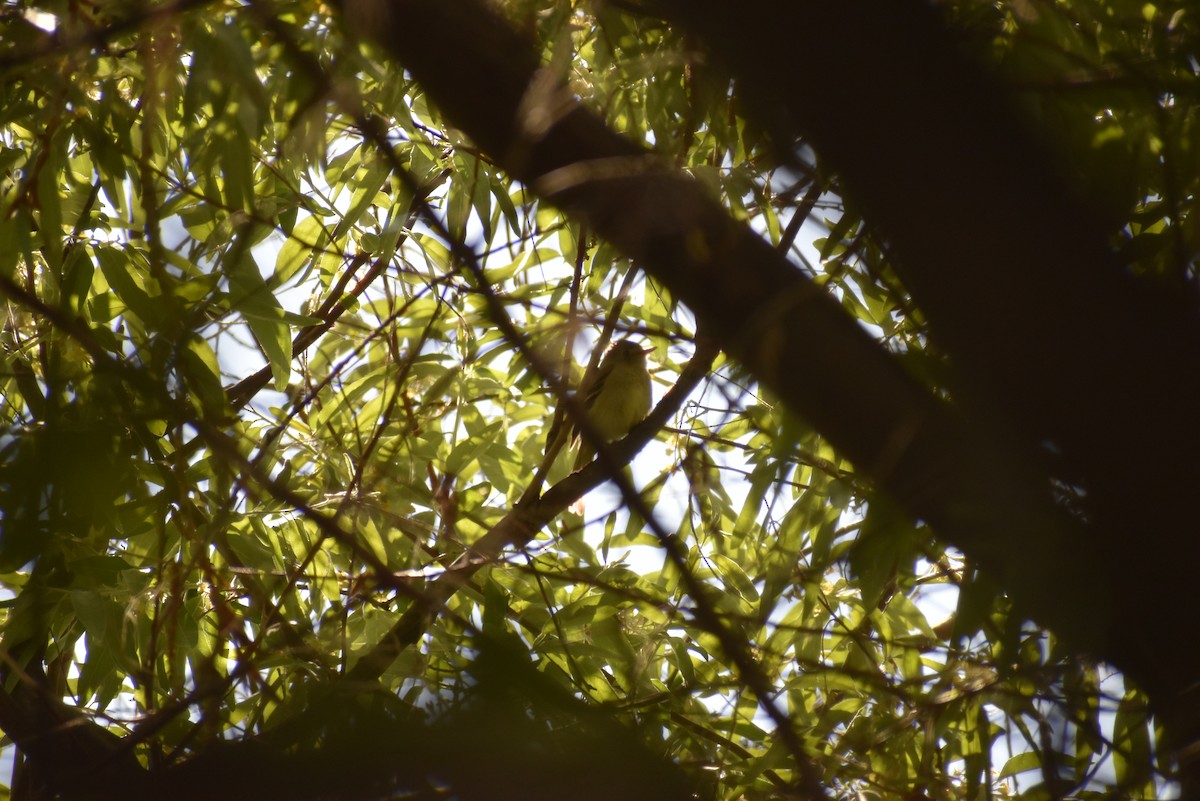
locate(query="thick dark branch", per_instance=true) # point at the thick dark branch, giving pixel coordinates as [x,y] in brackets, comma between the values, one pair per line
[979,487]
[795,338]
[66,750]
[1012,267]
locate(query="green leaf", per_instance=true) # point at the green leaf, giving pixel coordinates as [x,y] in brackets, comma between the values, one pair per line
[885,551]
[1021,763]
[199,366]
[125,273]
[78,270]
[366,189]
[1131,750]
[731,572]
[49,202]
[250,295]
[307,238]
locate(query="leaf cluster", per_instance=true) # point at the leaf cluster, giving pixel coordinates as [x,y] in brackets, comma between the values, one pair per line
[281,347]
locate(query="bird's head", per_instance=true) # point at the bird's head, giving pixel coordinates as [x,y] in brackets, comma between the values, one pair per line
[628,352]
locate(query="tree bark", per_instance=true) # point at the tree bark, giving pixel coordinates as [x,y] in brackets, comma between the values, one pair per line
[1099,367]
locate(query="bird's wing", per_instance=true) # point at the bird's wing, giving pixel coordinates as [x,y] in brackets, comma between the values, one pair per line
[597,385]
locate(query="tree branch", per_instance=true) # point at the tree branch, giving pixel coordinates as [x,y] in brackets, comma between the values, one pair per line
[978,492]
[1050,335]
[958,467]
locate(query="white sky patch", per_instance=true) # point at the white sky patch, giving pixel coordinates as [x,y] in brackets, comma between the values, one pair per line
[43,19]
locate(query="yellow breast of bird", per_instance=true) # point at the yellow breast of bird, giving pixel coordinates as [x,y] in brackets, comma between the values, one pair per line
[628,410]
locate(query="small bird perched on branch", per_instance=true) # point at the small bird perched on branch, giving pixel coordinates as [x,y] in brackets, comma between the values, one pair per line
[617,398]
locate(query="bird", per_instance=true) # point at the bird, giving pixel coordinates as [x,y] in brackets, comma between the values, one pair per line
[616,399]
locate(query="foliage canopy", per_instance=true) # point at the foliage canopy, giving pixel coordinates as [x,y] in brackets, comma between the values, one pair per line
[284,349]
